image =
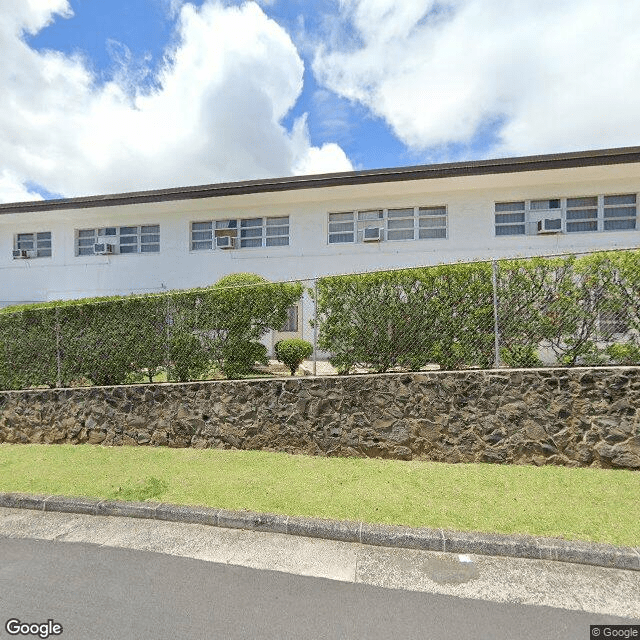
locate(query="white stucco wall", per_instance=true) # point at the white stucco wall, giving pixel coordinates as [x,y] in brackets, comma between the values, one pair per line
[469,200]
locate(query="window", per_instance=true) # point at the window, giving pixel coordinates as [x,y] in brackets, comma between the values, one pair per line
[240,234]
[110,240]
[291,324]
[569,215]
[620,212]
[408,223]
[32,245]
[510,218]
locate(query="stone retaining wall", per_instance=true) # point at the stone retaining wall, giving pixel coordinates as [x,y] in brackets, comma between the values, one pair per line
[584,416]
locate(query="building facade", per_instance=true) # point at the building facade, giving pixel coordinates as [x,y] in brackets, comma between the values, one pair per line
[309,226]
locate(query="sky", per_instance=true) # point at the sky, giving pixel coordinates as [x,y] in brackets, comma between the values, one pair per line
[106,97]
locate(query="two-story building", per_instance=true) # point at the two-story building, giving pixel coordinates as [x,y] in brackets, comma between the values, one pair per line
[308,226]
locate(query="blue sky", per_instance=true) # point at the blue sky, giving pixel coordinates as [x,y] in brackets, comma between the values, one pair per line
[97,97]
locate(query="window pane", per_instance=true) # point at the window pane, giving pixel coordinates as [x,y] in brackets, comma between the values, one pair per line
[340,226]
[432,233]
[150,248]
[201,235]
[108,231]
[252,222]
[85,242]
[129,248]
[573,227]
[437,211]
[582,214]
[146,239]
[509,206]
[400,224]
[620,212]
[510,230]
[545,204]
[44,253]
[151,228]
[251,233]
[401,234]
[128,239]
[197,246]
[44,235]
[86,233]
[340,217]
[625,199]
[251,242]
[85,251]
[278,221]
[400,213]
[582,202]
[433,222]
[201,226]
[44,244]
[226,224]
[340,237]
[277,231]
[128,231]
[369,215]
[279,241]
[616,225]
[502,218]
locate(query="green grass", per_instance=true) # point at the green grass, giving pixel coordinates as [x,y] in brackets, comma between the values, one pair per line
[588,504]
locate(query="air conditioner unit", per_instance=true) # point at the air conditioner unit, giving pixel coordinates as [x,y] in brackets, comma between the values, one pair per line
[372,234]
[550,225]
[225,242]
[102,249]
[20,254]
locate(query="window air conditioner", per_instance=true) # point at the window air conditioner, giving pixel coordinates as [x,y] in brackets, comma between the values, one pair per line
[550,225]
[20,254]
[102,249]
[225,242]
[372,234]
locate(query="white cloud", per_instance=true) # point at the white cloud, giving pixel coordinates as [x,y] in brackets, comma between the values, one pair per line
[554,75]
[215,114]
[13,189]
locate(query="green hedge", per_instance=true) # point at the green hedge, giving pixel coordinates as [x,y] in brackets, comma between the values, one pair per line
[444,315]
[116,340]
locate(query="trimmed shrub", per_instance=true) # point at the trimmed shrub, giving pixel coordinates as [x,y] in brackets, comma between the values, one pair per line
[292,352]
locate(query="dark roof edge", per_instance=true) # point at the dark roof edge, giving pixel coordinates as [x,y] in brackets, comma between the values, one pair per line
[574,159]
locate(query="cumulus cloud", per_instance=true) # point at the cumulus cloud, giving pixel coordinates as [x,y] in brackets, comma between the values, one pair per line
[544,75]
[214,113]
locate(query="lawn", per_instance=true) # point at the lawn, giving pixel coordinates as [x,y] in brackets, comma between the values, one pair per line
[588,504]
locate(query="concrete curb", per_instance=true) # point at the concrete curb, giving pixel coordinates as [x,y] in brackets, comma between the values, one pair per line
[515,546]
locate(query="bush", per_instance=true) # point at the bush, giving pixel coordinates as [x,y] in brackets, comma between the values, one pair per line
[520,356]
[292,352]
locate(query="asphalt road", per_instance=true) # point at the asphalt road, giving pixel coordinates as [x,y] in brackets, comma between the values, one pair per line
[97,592]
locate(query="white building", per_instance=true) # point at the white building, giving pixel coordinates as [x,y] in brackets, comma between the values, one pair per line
[309,226]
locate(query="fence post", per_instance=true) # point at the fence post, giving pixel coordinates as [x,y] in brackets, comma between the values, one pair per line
[58,355]
[496,334]
[315,326]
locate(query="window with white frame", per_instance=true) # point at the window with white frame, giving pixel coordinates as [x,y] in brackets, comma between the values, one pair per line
[240,233]
[581,214]
[112,240]
[407,223]
[32,245]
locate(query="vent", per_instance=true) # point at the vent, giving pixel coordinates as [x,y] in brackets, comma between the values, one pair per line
[550,225]
[225,242]
[372,234]
[102,249]
[20,254]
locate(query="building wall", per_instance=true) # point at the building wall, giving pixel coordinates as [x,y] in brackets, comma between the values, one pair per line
[470,202]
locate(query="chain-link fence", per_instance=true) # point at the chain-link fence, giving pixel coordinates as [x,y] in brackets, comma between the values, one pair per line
[546,311]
